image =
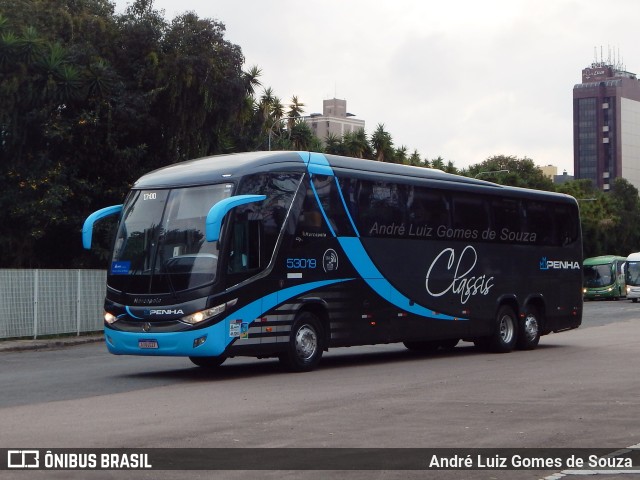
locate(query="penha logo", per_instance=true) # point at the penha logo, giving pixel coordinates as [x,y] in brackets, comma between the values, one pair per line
[164,312]
[546,264]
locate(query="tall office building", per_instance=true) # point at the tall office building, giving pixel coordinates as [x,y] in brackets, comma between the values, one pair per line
[606,125]
[334,120]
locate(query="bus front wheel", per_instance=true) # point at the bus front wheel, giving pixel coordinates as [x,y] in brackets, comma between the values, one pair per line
[504,336]
[208,362]
[304,350]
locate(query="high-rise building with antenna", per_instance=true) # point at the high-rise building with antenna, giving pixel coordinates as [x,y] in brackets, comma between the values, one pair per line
[606,123]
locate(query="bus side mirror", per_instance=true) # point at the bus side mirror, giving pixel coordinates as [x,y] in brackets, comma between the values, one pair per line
[219,210]
[87,228]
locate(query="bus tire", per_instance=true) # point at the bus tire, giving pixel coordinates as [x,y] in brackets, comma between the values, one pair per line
[529,329]
[304,350]
[634,300]
[505,334]
[208,362]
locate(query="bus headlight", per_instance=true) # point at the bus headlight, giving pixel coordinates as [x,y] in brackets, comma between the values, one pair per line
[203,315]
[109,318]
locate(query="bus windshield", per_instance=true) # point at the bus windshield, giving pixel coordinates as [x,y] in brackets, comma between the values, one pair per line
[632,273]
[160,246]
[598,275]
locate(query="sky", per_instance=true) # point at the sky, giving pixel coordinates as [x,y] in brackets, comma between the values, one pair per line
[461,79]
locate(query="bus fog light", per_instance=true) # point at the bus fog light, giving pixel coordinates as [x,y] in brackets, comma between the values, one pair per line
[109,318]
[199,341]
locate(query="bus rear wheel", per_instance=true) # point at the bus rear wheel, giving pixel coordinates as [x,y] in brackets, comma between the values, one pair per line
[304,350]
[504,337]
[208,362]
[529,330]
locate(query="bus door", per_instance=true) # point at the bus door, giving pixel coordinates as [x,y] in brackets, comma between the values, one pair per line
[251,252]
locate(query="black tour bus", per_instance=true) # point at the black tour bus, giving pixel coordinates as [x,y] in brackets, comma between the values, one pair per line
[288,254]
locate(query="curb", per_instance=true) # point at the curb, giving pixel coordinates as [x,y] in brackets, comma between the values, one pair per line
[45,344]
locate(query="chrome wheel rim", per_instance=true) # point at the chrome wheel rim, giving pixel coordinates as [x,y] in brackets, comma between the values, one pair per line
[506,328]
[306,342]
[530,327]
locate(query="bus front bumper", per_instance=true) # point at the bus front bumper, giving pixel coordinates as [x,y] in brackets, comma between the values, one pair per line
[205,342]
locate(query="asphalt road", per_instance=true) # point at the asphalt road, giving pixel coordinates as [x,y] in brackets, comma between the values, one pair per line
[578,389]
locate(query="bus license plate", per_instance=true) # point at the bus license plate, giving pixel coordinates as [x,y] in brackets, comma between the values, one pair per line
[146,344]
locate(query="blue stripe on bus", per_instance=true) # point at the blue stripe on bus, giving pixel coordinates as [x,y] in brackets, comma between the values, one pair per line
[256,309]
[346,209]
[371,275]
[360,259]
[324,214]
[131,313]
[218,339]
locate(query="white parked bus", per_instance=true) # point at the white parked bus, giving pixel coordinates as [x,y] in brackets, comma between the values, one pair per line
[632,277]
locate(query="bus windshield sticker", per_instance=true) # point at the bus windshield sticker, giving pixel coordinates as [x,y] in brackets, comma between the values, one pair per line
[120,268]
[234,328]
[244,330]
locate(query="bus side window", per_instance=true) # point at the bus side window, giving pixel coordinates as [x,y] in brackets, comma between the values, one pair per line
[539,220]
[327,190]
[567,225]
[429,207]
[507,215]
[245,250]
[470,213]
[311,226]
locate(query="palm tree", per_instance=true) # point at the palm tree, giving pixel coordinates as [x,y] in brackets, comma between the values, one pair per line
[415,159]
[264,105]
[333,144]
[363,148]
[382,144]
[295,111]
[400,155]
[251,80]
[301,136]
[438,163]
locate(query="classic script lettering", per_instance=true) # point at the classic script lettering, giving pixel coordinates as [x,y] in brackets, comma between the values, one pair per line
[462,282]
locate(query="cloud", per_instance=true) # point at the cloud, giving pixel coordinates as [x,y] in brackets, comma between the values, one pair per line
[463,79]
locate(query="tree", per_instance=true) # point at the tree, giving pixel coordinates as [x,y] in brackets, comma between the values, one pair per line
[382,144]
[510,170]
[90,100]
[597,216]
[438,163]
[416,161]
[626,204]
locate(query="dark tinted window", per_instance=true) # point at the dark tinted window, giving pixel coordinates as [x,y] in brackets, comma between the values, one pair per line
[256,226]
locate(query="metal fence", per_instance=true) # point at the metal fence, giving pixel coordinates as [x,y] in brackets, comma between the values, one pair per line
[35,303]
